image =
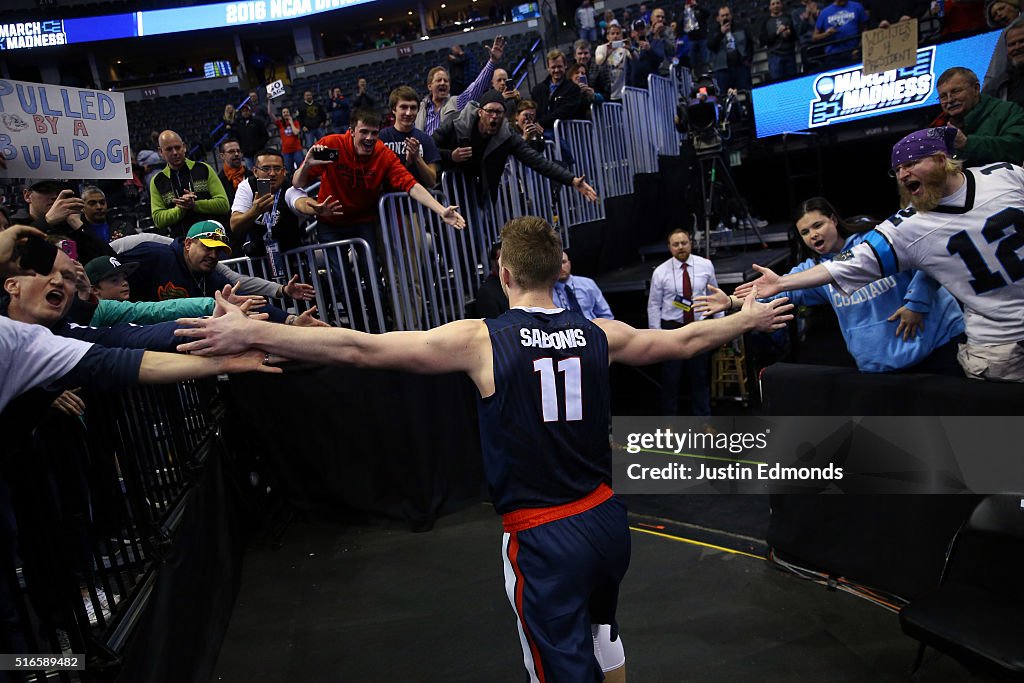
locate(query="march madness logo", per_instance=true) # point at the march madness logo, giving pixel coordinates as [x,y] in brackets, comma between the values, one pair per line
[848,93]
[32,34]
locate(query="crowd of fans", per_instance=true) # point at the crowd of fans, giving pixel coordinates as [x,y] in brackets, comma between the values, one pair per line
[255,198]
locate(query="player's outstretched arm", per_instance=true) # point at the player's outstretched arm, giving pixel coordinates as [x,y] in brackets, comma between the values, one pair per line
[641,347]
[770,283]
[455,347]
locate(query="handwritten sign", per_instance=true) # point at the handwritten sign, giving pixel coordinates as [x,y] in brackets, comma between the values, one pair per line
[275,89]
[890,48]
[48,131]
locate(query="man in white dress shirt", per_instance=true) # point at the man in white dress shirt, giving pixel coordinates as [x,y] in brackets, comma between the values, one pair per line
[670,305]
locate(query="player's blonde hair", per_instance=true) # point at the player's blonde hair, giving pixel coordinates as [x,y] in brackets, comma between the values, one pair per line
[532,251]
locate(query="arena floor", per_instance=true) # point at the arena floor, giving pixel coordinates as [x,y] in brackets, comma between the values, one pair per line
[330,603]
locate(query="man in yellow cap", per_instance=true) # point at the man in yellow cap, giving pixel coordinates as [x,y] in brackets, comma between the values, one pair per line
[185,268]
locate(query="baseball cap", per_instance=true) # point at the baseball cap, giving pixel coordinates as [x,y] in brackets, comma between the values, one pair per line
[102,267]
[48,185]
[211,234]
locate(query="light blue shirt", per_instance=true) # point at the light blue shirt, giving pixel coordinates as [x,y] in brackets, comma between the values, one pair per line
[588,296]
[667,284]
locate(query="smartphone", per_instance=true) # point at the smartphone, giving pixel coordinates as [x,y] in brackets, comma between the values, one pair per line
[37,255]
[263,186]
[582,79]
[509,85]
[616,44]
[70,248]
[328,154]
[464,142]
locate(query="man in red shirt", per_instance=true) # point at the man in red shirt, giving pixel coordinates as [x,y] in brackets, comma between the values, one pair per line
[364,170]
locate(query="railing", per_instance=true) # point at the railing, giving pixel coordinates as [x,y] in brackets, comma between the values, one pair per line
[641,144]
[610,123]
[420,254]
[664,97]
[96,502]
[580,138]
[344,274]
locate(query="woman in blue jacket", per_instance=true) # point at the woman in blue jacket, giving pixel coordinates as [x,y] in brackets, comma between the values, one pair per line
[903,322]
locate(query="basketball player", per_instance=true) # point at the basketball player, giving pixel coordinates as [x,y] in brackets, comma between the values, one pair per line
[542,373]
[965,228]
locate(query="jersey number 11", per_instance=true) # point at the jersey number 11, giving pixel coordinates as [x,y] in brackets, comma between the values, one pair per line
[570,369]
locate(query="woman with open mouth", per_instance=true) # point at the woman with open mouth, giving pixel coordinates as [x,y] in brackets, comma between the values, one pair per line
[905,322]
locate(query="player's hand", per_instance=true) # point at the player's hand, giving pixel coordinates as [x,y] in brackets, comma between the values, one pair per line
[299,291]
[453,218]
[910,322]
[461,154]
[767,284]
[222,334]
[769,316]
[64,206]
[715,302]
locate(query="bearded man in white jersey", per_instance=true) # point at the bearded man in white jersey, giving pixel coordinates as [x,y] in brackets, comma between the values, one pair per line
[965,228]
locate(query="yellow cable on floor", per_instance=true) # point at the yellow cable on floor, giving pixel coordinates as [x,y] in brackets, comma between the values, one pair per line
[693,542]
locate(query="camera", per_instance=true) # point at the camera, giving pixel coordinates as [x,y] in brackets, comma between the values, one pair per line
[328,154]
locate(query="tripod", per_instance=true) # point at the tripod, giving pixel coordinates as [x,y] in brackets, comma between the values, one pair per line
[711,164]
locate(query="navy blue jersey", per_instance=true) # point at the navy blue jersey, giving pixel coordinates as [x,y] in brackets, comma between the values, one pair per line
[544,431]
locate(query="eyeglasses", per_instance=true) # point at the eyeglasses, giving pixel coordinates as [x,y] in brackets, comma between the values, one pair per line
[270,169]
[493,112]
[893,172]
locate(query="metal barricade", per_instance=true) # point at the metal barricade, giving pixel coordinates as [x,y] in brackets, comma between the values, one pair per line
[421,264]
[610,127]
[344,274]
[664,98]
[640,141]
[581,140]
[682,81]
[481,231]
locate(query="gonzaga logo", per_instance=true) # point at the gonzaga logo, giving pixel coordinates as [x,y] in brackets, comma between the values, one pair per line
[844,94]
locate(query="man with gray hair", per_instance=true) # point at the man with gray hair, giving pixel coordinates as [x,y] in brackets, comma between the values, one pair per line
[94,214]
[988,129]
[960,227]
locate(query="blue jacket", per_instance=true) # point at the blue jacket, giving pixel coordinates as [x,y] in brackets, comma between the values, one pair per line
[863,316]
[163,274]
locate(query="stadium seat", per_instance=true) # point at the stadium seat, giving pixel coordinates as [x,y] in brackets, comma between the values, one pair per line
[974,615]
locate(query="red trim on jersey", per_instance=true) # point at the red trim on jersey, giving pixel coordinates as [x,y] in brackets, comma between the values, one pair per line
[513,553]
[527,518]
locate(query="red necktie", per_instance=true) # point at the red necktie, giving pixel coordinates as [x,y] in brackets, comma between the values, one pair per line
[688,295]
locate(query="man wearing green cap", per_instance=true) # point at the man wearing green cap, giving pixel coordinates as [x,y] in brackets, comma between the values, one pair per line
[187,268]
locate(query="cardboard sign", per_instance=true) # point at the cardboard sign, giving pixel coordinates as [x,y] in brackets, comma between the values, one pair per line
[275,89]
[885,49]
[49,131]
